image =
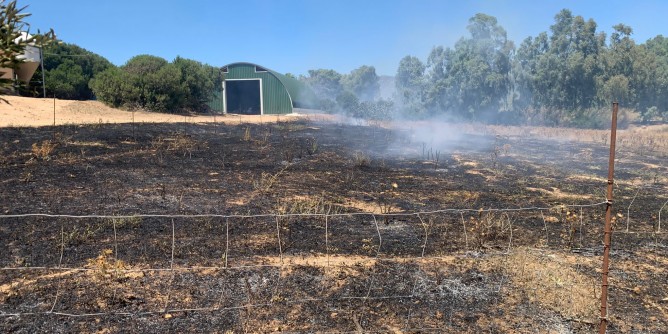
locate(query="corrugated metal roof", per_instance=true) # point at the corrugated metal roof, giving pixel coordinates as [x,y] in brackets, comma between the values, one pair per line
[298,94]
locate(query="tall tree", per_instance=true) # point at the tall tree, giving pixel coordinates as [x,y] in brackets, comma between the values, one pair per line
[557,76]
[363,81]
[409,83]
[525,71]
[436,92]
[325,83]
[326,86]
[568,70]
[615,84]
[657,97]
[473,79]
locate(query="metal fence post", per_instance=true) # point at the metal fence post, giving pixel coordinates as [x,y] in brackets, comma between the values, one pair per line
[608,222]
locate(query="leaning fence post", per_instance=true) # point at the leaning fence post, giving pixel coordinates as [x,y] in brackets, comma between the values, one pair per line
[608,223]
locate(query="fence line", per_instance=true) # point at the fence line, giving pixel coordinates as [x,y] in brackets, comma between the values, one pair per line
[285,262]
[289,215]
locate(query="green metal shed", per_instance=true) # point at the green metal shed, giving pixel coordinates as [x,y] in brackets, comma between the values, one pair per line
[255,90]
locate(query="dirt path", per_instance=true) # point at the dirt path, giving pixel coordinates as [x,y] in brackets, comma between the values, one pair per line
[23,111]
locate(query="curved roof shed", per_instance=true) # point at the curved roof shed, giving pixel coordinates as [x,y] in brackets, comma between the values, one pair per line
[252,89]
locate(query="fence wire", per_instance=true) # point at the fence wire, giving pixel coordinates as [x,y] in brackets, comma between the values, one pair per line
[429,271]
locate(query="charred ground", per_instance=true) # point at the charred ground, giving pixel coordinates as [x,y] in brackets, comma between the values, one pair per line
[463,271]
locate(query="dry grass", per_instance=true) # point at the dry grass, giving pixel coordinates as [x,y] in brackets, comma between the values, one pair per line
[455,288]
[361,160]
[489,228]
[551,281]
[649,139]
[43,150]
[178,143]
[557,193]
[106,265]
[306,205]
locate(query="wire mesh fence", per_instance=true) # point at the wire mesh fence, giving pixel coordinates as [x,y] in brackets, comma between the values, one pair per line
[313,262]
[439,271]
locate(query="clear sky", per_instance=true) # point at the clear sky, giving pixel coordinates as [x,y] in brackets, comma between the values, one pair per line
[297,35]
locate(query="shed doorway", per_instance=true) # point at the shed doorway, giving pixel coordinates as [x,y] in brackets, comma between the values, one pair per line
[244,96]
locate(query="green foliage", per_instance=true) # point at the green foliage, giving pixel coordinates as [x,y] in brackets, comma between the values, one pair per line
[657,96]
[198,81]
[150,82]
[12,41]
[343,93]
[349,104]
[347,101]
[144,65]
[568,76]
[326,85]
[409,83]
[572,75]
[111,86]
[561,71]
[68,70]
[471,81]
[146,82]
[377,110]
[363,82]
[68,81]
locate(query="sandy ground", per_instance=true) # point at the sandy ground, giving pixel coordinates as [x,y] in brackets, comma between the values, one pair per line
[23,111]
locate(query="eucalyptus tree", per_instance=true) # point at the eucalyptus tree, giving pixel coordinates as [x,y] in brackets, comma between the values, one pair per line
[472,80]
[557,75]
[363,82]
[436,94]
[326,86]
[657,100]
[567,72]
[325,83]
[410,84]
[524,73]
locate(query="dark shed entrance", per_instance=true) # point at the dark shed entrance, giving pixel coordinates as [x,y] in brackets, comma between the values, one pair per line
[252,89]
[244,96]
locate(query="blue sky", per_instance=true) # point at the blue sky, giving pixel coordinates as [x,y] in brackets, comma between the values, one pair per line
[297,35]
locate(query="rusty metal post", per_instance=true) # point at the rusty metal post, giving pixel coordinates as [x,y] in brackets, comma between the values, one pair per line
[607,234]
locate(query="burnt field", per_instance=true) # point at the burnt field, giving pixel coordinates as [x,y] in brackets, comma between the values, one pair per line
[306,226]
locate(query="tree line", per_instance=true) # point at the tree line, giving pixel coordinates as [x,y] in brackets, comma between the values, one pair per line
[153,83]
[567,76]
[356,94]
[145,81]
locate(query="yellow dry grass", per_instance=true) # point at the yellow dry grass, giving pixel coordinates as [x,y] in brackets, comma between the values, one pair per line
[558,193]
[551,281]
[30,112]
